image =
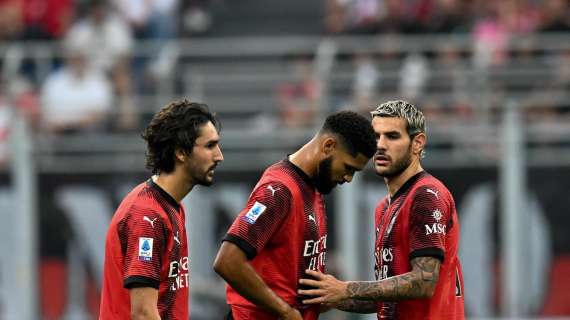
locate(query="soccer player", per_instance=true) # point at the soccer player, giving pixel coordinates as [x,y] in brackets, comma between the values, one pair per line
[283,229]
[417,233]
[146,251]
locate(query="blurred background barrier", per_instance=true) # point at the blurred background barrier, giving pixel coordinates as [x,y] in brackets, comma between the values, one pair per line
[493,79]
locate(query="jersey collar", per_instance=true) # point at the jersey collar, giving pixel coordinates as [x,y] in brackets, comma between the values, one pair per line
[300,172]
[407,185]
[163,193]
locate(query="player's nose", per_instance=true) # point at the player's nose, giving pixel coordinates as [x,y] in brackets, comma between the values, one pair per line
[218,156]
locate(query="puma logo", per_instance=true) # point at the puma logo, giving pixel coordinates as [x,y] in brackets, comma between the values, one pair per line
[270,187]
[312,217]
[145,218]
[433,192]
[176,238]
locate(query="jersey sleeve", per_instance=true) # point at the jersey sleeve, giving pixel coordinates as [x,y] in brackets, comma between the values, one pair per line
[430,219]
[143,242]
[262,216]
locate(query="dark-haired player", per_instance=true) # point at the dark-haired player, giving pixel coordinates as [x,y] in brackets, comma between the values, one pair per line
[417,233]
[146,251]
[283,230]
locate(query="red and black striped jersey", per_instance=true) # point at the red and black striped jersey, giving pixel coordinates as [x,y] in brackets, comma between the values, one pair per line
[146,246]
[283,231]
[420,220]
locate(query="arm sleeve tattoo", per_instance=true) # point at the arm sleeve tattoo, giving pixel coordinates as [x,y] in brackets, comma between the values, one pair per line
[418,283]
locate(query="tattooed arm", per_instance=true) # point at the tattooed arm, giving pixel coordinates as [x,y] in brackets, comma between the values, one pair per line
[417,284]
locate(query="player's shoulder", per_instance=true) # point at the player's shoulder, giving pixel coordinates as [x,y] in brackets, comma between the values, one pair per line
[272,188]
[430,186]
[281,170]
[140,202]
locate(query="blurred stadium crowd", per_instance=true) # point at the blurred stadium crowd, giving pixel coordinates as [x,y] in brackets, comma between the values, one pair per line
[101,74]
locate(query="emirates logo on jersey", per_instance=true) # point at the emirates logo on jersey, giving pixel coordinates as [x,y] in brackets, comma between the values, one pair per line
[178,270]
[316,252]
[383,259]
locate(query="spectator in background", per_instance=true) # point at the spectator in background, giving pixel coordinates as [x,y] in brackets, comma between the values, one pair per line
[196,17]
[76,98]
[364,86]
[413,76]
[299,99]
[555,17]
[493,32]
[447,16]
[156,21]
[150,19]
[47,19]
[32,20]
[11,19]
[105,37]
[108,42]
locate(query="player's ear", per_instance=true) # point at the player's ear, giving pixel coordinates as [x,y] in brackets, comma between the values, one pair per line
[328,145]
[180,155]
[418,143]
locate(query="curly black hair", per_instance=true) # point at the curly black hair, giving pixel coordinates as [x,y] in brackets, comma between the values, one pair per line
[355,131]
[176,126]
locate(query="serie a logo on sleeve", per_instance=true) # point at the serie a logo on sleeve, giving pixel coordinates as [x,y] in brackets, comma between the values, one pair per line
[254,212]
[145,249]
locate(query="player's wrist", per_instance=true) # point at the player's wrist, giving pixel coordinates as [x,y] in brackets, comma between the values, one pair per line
[349,291]
[286,311]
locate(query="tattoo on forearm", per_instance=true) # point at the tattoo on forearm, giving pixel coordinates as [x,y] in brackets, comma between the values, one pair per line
[418,283]
[358,306]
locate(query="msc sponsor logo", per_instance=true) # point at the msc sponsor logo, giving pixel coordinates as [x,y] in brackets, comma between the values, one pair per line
[435,228]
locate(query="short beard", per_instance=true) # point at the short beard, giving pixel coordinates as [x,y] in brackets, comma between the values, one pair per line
[399,166]
[203,180]
[323,181]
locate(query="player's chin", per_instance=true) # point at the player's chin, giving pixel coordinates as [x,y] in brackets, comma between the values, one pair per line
[207,180]
[381,170]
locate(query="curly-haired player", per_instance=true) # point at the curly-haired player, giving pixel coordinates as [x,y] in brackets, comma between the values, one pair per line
[146,251]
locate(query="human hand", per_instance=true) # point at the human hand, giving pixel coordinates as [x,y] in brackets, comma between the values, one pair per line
[326,288]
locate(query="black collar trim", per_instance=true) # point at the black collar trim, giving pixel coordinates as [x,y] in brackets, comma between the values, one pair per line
[300,172]
[163,193]
[407,185]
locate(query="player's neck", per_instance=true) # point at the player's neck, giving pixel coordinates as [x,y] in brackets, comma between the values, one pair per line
[172,183]
[395,183]
[304,159]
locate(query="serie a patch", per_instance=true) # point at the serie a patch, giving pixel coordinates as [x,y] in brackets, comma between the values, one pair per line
[254,212]
[145,248]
